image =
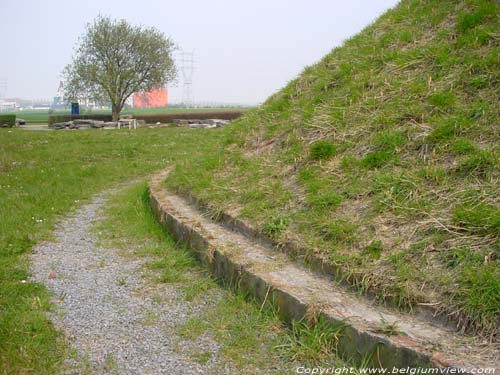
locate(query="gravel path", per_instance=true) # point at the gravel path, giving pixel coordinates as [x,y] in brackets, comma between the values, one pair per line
[117,320]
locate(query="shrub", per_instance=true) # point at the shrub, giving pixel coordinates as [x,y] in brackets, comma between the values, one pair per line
[9,120]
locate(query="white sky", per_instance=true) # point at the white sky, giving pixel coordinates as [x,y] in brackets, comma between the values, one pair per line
[244,50]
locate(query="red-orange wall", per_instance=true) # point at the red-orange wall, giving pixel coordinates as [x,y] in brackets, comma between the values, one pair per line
[151,99]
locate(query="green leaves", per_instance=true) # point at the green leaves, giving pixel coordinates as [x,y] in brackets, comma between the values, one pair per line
[115,59]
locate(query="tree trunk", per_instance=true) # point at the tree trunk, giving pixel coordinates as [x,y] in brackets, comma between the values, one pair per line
[115,112]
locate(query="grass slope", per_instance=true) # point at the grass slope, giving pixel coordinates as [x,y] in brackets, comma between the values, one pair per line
[384,159]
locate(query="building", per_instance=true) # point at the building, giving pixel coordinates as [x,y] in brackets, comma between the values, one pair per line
[151,99]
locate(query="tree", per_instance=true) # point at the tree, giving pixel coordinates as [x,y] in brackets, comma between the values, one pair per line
[115,59]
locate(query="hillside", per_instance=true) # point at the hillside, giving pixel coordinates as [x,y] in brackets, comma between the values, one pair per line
[383,159]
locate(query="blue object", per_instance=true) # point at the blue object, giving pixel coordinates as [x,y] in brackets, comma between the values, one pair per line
[75,109]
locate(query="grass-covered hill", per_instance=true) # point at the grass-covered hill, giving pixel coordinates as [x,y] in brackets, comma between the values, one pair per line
[384,159]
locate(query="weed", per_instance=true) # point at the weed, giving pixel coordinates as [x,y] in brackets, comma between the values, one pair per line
[198,287]
[470,19]
[276,226]
[374,249]
[377,159]
[387,144]
[479,163]
[193,328]
[150,318]
[109,362]
[388,329]
[461,257]
[463,146]
[330,200]
[340,231]
[442,99]
[349,163]
[312,343]
[389,140]
[481,218]
[479,295]
[172,268]
[448,130]
[322,150]
[201,357]
[434,175]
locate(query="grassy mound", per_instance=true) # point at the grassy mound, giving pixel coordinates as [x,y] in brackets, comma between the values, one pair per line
[384,159]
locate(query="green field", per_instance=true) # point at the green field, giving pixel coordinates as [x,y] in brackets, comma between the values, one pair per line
[45,175]
[34,117]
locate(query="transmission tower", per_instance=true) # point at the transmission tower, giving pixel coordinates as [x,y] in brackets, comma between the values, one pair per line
[186,64]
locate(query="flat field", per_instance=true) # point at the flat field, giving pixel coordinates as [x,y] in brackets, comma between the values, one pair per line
[44,175]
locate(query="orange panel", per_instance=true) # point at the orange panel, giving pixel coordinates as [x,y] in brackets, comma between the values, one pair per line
[151,99]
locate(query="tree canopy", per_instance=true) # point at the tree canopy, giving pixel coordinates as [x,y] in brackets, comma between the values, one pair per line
[114,59]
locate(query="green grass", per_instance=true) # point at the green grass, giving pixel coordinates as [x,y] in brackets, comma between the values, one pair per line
[251,337]
[383,158]
[44,175]
[312,344]
[323,150]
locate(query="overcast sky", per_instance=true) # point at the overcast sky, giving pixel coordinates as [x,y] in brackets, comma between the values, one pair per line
[244,50]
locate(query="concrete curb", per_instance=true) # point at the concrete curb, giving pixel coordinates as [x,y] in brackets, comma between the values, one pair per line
[313,261]
[359,339]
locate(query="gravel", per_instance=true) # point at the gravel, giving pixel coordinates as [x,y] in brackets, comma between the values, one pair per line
[117,321]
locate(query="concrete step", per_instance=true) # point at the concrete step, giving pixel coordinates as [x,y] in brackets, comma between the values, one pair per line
[391,338]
